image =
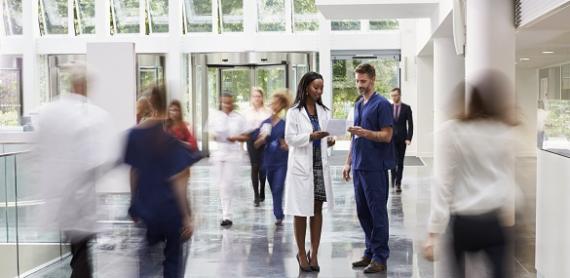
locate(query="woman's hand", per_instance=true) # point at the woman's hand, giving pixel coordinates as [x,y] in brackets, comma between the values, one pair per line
[283,145]
[318,135]
[187,228]
[429,246]
[331,141]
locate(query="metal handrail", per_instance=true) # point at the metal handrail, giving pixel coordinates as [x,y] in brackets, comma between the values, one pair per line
[13,153]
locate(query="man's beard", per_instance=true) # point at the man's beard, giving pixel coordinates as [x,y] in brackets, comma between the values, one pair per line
[362,90]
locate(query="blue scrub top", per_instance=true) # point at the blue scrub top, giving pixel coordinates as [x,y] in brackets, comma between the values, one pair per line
[369,155]
[156,156]
[273,155]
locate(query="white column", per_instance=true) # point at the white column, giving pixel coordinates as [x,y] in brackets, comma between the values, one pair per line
[325,61]
[174,61]
[448,73]
[424,111]
[490,38]
[31,98]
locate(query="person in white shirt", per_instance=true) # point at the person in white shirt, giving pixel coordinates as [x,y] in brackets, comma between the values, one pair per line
[74,148]
[474,185]
[228,128]
[254,116]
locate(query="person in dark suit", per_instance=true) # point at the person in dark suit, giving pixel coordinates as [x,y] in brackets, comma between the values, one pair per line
[403,132]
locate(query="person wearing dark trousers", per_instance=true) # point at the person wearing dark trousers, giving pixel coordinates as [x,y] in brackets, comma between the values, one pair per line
[402,137]
[369,158]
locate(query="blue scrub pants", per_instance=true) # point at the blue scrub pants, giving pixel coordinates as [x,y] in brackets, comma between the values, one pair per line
[276,179]
[371,194]
[167,232]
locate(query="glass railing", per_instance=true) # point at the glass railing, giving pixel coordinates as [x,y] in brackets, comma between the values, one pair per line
[25,247]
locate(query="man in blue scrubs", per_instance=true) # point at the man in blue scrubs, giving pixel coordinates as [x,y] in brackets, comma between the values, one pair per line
[371,155]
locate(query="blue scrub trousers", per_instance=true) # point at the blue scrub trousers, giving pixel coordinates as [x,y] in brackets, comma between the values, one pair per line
[167,232]
[276,179]
[371,194]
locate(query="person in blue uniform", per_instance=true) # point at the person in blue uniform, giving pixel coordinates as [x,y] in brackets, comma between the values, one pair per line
[275,151]
[159,180]
[371,155]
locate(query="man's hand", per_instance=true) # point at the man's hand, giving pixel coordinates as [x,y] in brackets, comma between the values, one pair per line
[346,172]
[331,141]
[408,142]
[359,131]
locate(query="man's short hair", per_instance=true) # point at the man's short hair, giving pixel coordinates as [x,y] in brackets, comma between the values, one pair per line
[397,90]
[366,69]
[227,94]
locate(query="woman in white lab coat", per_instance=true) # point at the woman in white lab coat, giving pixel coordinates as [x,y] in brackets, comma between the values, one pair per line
[308,182]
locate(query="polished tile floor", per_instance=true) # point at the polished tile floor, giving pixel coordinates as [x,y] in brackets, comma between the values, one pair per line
[255,247]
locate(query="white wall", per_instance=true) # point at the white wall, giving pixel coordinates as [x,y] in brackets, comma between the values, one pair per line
[425,110]
[409,84]
[526,91]
[552,221]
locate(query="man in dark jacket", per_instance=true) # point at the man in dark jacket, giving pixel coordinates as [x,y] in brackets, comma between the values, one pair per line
[403,132]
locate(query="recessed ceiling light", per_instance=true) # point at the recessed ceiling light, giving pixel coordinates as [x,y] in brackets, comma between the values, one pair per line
[547,52]
[524,59]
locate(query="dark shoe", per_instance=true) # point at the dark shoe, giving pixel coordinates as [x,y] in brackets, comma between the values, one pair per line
[301,268]
[279,222]
[316,268]
[226,223]
[398,188]
[375,267]
[364,262]
[256,203]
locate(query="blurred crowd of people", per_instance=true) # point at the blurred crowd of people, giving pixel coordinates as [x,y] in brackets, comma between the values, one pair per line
[287,143]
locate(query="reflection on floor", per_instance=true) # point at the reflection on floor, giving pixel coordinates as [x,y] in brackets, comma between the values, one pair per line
[255,247]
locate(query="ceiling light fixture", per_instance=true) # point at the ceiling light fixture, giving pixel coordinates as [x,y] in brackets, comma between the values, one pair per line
[547,52]
[524,59]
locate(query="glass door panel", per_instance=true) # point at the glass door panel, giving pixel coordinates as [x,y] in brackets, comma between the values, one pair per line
[271,78]
[237,81]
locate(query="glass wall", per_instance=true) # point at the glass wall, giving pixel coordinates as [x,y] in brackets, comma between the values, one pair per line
[232,15]
[553,118]
[345,25]
[53,17]
[54,74]
[10,96]
[270,15]
[197,16]
[344,83]
[12,16]
[84,12]
[157,11]
[305,16]
[360,25]
[384,25]
[125,16]
[150,72]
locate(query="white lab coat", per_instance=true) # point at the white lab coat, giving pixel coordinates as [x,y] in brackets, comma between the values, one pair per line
[299,186]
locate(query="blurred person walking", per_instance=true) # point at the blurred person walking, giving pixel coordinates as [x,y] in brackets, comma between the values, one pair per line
[371,155]
[159,180]
[74,149]
[228,128]
[271,140]
[308,181]
[178,128]
[402,137]
[254,116]
[143,109]
[473,193]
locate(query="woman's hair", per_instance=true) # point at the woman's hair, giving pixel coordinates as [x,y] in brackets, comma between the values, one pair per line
[490,98]
[260,91]
[303,90]
[157,99]
[283,97]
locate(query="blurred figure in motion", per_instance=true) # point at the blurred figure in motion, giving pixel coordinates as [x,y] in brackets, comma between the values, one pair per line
[228,129]
[143,109]
[271,141]
[73,150]
[178,128]
[254,116]
[159,181]
[473,194]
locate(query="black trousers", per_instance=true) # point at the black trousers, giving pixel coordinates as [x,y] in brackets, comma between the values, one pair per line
[475,233]
[400,152]
[80,260]
[258,175]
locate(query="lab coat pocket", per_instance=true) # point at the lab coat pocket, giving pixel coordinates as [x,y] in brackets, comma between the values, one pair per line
[300,163]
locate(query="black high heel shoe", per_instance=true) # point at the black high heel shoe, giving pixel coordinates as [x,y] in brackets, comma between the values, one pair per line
[303,269]
[316,268]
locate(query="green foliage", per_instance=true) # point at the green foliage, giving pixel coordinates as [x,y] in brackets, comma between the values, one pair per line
[558,120]
[10,118]
[384,25]
[345,25]
[344,83]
